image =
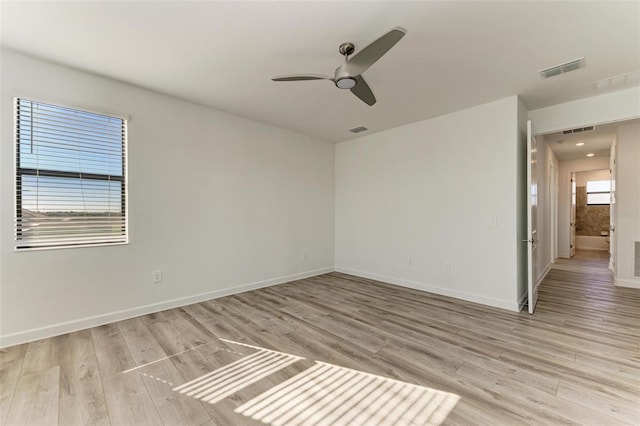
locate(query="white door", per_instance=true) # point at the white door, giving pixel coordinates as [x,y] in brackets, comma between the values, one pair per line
[612,210]
[532,222]
[572,224]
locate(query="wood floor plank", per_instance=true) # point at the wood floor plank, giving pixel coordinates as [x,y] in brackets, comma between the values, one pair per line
[617,408]
[42,355]
[35,401]
[170,339]
[13,352]
[111,349]
[81,394]
[143,346]
[128,400]
[194,332]
[214,322]
[545,411]
[100,422]
[174,408]
[9,373]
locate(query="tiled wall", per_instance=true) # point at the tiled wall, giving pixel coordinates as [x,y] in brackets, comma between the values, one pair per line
[590,220]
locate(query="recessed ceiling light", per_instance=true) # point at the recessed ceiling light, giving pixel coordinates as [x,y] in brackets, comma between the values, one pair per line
[591,154]
[580,144]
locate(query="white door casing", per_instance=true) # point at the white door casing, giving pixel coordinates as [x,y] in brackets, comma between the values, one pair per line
[572,223]
[532,220]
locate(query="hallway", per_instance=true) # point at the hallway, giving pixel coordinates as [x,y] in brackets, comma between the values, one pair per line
[579,301]
[582,288]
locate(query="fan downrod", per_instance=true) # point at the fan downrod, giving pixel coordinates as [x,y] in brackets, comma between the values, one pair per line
[346,49]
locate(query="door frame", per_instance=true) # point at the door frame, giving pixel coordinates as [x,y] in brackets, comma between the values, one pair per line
[553,211]
[532,220]
[573,212]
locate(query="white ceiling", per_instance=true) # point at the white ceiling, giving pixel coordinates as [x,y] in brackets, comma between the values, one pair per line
[223,54]
[597,141]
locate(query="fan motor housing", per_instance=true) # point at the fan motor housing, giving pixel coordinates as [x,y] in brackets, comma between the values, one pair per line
[346,48]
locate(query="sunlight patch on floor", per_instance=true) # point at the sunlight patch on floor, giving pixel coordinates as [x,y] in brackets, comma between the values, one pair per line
[327,394]
[219,384]
[323,394]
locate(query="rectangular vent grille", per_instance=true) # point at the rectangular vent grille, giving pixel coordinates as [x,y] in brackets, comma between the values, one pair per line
[578,130]
[563,68]
[637,258]
[358,129]
[618,81]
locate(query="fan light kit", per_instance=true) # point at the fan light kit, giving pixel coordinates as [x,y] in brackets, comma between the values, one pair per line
[349,74]
[346,83]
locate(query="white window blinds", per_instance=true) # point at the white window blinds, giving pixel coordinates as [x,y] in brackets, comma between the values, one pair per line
[70,177]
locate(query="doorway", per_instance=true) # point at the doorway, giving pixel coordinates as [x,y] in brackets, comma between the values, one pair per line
[589,149]
[592,200]
[574,152]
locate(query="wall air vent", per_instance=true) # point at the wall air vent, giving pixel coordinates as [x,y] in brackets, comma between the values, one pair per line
[358,129]
[563,68]
[578,130]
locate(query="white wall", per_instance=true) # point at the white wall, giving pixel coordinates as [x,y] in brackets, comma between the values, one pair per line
[566,167]
[583,177]
[217,202]
[627,203]
[425,192]
[610,107]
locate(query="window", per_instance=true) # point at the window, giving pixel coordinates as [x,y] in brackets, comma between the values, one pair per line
[598,192]
[70,177]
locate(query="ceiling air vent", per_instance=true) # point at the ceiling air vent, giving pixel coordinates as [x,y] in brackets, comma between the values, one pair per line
[578,130]
[358,129]
[563,68]
[618,81]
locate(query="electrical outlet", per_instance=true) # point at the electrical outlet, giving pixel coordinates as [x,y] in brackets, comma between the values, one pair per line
[156,276]
[411,261]
[305,254]
[447,266]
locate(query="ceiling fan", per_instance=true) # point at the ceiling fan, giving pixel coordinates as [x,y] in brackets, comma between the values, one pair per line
[349,74]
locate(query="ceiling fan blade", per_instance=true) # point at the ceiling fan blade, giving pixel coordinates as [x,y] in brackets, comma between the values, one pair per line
[363,91]
[302,77]
[362,60]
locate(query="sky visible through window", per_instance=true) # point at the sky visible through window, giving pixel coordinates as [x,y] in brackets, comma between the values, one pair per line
[598,192]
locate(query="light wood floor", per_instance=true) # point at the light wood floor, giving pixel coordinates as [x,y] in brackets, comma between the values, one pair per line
[576,360]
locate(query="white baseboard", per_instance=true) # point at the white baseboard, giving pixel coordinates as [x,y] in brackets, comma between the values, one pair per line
[542,276]
[93,321]
[469,297]
[522,301]
[631,283]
